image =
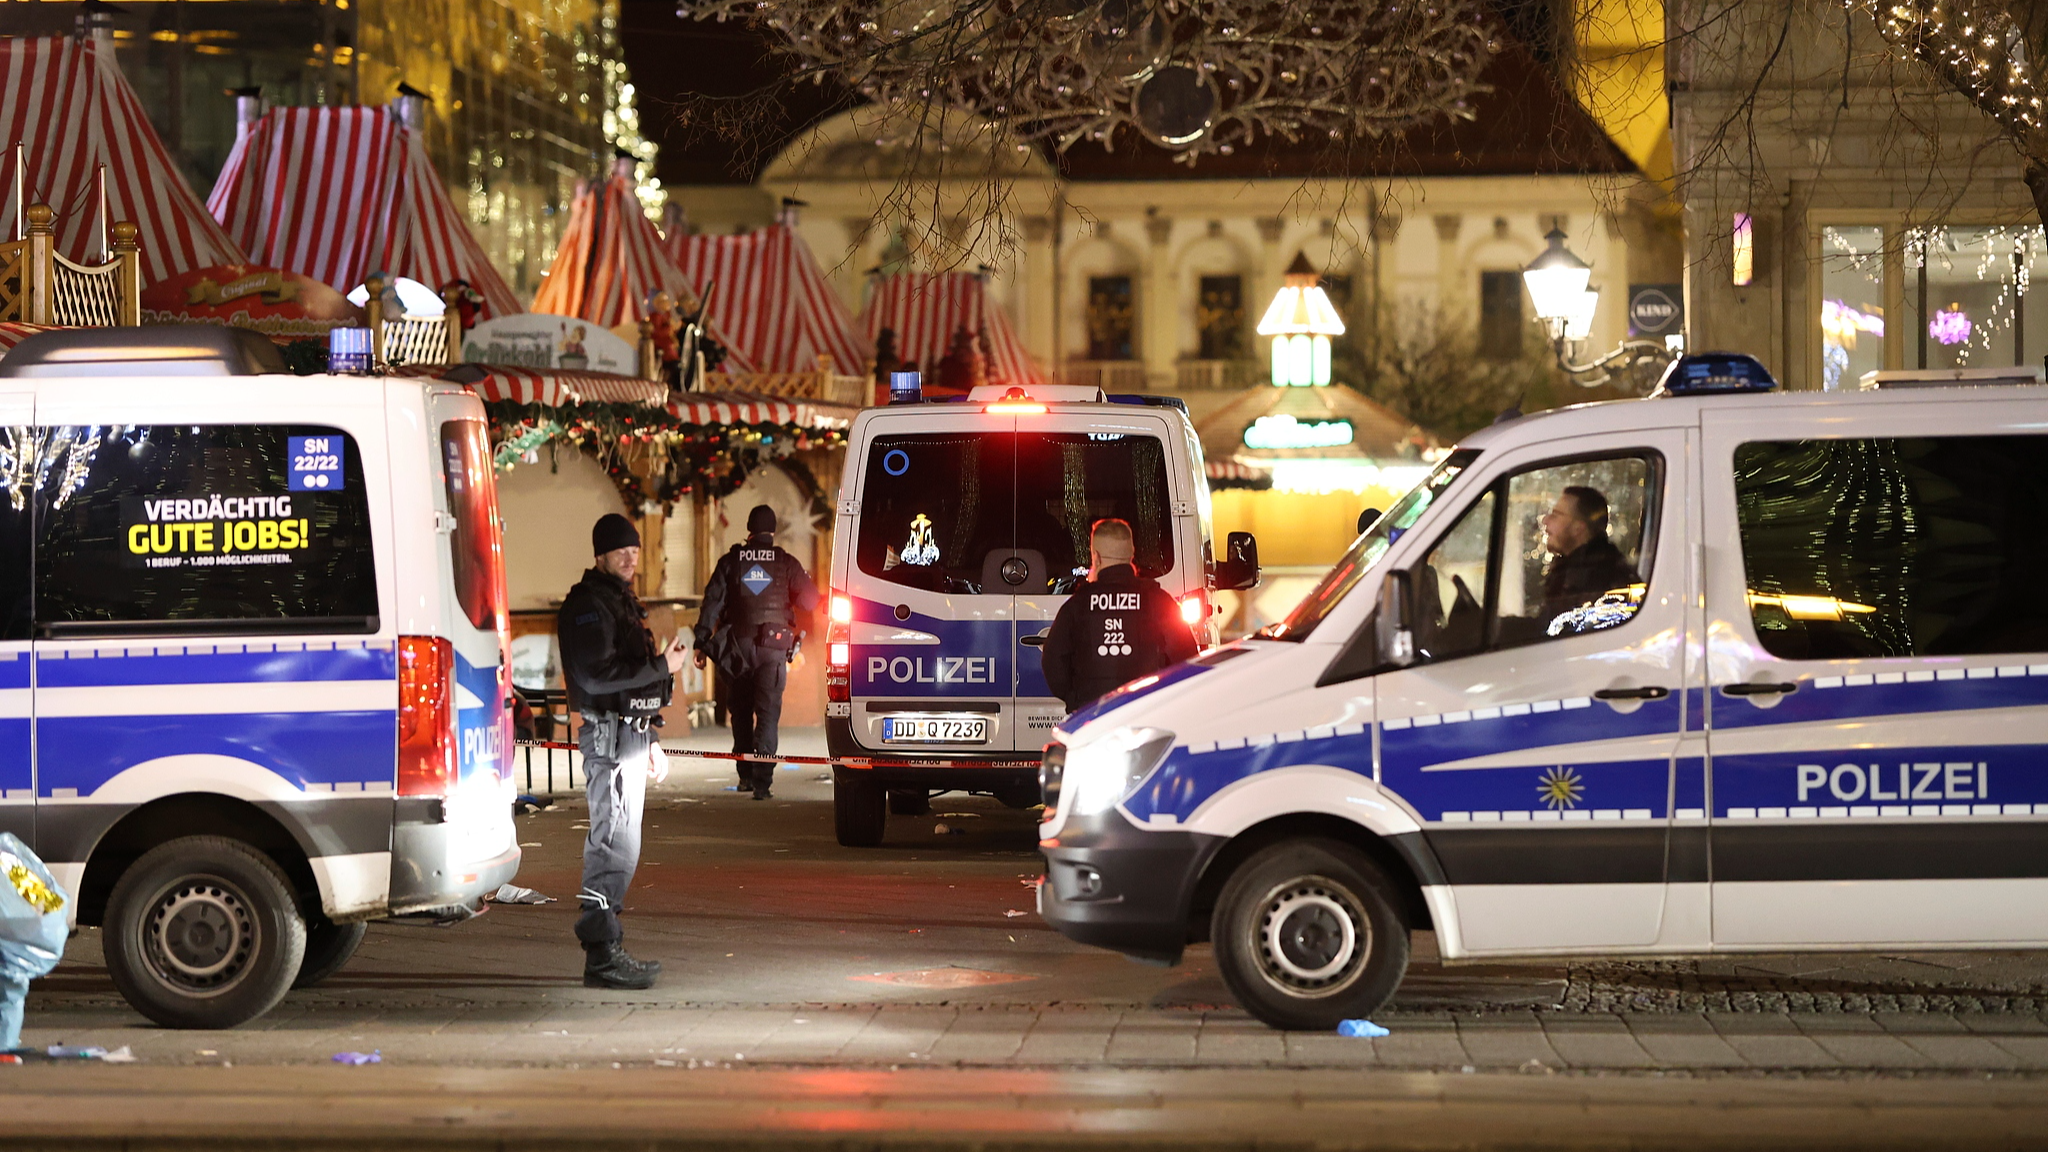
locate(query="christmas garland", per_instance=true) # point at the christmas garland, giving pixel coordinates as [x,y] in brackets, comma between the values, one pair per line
[651,455]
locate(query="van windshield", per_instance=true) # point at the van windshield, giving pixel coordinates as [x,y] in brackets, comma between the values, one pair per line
[942,511]
[1368,548]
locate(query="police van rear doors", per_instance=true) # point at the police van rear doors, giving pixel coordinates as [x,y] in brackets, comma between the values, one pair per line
[1072,470]
[1879,708]
[930,664]
[475,641]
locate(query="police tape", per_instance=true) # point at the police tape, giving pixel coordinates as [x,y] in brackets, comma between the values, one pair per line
[832,761]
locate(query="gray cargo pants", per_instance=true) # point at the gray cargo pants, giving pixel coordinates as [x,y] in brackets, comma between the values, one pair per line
[616,786]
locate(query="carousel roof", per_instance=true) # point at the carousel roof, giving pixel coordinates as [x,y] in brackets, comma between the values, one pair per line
[1376,432]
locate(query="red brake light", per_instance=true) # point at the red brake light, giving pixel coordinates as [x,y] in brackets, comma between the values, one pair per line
[1016,402]
[426,716]
[839,651]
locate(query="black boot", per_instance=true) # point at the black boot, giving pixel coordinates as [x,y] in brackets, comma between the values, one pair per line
[608,965]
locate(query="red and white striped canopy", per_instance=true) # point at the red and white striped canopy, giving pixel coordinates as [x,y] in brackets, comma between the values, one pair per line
[752,408]
[340,193]
[71,109]
[553,387]
[927,308]
[772,299]
[611,259]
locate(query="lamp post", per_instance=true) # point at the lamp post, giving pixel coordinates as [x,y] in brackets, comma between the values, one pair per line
[1301,321]
[1558,283]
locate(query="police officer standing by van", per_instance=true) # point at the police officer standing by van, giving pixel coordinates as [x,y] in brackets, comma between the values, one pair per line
[620,681]
[1116,627]
[757,603]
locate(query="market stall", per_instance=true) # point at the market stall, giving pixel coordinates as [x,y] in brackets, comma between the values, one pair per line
[68,107]
[610,262]
[927,313]
[772,300]
[341,193]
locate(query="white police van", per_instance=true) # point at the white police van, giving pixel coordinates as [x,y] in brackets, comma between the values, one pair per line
[961,529]
[1806,709]
[252,640]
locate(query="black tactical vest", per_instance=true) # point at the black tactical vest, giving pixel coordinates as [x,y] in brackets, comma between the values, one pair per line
[758,590]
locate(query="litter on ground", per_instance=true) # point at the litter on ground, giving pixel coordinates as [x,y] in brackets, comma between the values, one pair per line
[1365,1029]
[514,894]
[376,1057]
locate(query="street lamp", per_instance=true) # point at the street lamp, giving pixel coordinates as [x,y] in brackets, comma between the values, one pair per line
[1558,285]
[1301,321]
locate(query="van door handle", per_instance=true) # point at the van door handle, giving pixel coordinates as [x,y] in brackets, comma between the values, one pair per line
[1651,693]
[1757,689]
[1034,641]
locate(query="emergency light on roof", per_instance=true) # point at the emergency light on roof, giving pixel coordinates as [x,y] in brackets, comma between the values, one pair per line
[1710,373]
[1016,402]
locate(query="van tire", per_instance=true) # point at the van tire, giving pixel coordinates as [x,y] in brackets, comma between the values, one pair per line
[860,808]
[203,932]
[909,802]
[1309,933]
[328,947]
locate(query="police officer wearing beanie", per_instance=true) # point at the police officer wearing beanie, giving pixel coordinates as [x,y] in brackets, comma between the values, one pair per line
[1116,627]
[619,680]
[758,601]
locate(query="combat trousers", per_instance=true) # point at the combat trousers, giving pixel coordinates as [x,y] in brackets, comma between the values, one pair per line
[616,787]
[755,708]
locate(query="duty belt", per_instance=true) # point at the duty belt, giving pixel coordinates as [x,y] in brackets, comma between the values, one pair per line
[636,723]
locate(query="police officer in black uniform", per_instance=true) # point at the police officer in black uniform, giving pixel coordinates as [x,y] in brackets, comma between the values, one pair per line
[619,680]
[758,602]
[1116,627]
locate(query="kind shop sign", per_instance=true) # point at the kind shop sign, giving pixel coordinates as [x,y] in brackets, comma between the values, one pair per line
[281,305]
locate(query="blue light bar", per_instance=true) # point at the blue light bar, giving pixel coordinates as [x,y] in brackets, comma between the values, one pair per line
[1711,373]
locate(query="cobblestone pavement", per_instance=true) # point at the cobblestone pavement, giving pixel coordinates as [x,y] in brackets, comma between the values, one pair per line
[788,956]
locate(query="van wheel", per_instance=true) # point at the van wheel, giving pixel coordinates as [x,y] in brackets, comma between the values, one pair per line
[203,932]
[909,802]
[328,947]
[859,808]
[1309,933]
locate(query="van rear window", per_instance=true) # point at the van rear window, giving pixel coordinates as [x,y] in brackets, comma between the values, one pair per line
[191,529]
[935,508]
[1906,546]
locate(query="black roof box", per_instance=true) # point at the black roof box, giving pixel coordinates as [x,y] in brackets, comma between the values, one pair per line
[151,350]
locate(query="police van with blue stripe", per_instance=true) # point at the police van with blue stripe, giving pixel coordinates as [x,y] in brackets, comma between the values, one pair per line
[252,657]
[962,528]
[1720,670]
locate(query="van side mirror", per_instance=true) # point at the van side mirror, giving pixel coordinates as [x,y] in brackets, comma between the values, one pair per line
[1239,568]
[1395,622]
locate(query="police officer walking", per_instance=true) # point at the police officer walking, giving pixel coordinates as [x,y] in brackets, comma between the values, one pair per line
[758,601]
[619,680]
[1116,627]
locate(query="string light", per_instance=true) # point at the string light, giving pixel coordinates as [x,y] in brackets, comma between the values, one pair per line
[675,457]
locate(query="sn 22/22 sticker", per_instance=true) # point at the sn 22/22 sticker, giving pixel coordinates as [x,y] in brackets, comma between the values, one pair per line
[315,463]
[215,530]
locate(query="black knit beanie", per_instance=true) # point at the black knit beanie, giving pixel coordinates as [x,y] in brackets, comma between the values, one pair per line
[611,533]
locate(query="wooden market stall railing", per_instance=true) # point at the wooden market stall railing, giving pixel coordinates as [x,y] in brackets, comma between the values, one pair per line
[40,285]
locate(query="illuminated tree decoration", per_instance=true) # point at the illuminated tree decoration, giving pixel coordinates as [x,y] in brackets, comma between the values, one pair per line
[1949,326]
[1190,78]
